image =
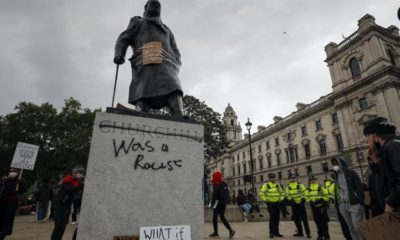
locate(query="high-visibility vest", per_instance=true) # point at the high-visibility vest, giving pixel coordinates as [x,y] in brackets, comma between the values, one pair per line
[316,192]
[295,191]
[271,192]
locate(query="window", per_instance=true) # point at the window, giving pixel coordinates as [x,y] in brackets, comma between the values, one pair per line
[233,159]
[339,141]
[244,155]
[261,178]
[335,119]
[261,163]
[233,171]
[267,143]
[318,125]
[276,142]
[296,172]
[244,168]
[238,170]
[355,68]
[278,159]
[303,131]
[259,148]
[232,122]
[234,134]
[290,136]
[363,103]
[238,181]
[325,167]
[280,175]
[293,154]
[322,146]
[307,150]
[309,170]
[269,161]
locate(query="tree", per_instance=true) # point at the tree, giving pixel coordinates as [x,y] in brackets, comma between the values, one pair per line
[214,131]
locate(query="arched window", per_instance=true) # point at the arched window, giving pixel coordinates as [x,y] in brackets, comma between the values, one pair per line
[355,67]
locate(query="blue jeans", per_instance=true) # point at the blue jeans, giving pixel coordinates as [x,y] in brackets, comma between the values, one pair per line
[42,210]
[246,207]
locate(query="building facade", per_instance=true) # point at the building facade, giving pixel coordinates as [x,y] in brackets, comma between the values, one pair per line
[365,75]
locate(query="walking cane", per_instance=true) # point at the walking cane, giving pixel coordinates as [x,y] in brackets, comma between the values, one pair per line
[115,86]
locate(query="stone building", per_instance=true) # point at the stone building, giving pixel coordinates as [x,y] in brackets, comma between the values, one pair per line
[365,75]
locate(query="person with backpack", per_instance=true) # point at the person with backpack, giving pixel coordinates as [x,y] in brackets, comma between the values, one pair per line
[220,197]
[43,198]
[295,194]
[272,193]
[318,199]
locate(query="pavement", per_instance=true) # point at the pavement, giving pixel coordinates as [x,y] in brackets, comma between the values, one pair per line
[26,228]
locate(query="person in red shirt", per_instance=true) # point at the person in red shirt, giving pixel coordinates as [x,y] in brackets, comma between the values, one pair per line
[63,201]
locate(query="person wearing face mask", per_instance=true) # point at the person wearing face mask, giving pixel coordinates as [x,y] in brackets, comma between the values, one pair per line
[8,202]
[63,201]
[384,155]
[318,199]
[295,194]
[349,195]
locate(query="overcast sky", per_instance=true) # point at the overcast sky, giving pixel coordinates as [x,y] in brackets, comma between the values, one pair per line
[261,56]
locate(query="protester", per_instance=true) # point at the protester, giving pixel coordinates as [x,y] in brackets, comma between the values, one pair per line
[242,202]
[63,201]
[350,196]
[273,195]
[8,202]
[43,198]
[254,204]
[384,152]
[220,197]
[295,193]
[343,224]
[318,199]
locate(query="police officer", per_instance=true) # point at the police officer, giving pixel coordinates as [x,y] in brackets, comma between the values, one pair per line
[318,198]
[273,194]
[295,194]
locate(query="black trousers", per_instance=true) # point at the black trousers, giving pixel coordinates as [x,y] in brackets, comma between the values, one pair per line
[76,208]
[300,215]
[220,211]
[61,217]
[7,214]
[320,215]
[274,210]
[343,224]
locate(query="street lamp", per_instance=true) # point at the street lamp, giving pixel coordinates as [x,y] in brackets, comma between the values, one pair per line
[248,126]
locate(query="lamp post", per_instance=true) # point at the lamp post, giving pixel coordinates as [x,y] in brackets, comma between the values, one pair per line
[248,126]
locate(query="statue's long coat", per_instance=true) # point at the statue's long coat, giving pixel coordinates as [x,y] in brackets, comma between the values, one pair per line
[154,80]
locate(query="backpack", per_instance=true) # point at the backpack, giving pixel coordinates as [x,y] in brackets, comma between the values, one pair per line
[224,192]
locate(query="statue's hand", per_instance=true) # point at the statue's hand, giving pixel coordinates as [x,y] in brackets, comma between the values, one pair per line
[119,60]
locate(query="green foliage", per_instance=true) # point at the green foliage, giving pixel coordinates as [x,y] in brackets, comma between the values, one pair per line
[214,131]
[63,138]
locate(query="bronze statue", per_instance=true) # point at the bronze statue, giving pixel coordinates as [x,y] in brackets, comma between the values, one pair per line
[155,62]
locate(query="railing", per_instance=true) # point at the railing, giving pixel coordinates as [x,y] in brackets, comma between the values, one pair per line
[347,40]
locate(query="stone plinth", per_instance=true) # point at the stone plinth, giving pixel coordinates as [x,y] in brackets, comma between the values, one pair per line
[142,172]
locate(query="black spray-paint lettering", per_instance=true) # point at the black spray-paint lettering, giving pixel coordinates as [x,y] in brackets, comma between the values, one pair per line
[170,164]
[164,148]
[134,146]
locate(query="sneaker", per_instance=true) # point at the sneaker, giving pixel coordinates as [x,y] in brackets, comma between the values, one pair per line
[246,220]
[261,215]
[231,233]
[298,235]
[278,235]
[245,214]
[214,235]
[271,236]
[252,215]
[73,223]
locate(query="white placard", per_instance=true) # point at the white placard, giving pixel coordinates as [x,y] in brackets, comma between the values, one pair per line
[181,232]
[25,156]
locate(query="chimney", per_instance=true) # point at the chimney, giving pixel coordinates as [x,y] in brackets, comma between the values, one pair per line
[277,119]
[330,49]
[393,30]
[300,106]
[365,22]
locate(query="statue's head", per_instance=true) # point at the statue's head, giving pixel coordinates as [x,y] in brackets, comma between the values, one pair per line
[152,8]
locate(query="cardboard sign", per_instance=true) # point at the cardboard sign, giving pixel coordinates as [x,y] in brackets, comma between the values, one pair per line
[25,156]
[385,226]
[181,232]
